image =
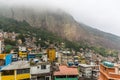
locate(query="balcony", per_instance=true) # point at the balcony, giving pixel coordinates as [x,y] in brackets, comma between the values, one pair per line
[18,77]
[108,73]
[23,76]
[113,75]
[6,77]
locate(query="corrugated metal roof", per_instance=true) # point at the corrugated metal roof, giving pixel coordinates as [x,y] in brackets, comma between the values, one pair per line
[64,70]
[17,65]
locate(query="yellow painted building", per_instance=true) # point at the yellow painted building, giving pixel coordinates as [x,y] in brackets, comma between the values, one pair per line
[2,56]
[51,53]
[22,54]
[2,59]
[19,70]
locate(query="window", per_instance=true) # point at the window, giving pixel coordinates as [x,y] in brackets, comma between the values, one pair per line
[21,71]
[2,62]
[41,78]
[119,69]
[63,76]
[47,78]
[24,51]
[43,66]
[72,76]
[38,67]
[25,79]
[8,72]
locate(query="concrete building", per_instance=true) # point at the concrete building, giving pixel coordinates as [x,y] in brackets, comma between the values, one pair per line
[88,71]
[66,56]
[5,35]
[85,70]
[22,52]
[19,70]
[1,41]
[51,53]
[14,56]
[109,71]
[41,71]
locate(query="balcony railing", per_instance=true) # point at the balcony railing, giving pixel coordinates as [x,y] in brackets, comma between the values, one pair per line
[18,77]
[6,77]
[23,76]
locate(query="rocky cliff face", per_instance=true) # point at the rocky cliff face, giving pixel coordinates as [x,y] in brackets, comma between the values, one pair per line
[62,24]
[55,21]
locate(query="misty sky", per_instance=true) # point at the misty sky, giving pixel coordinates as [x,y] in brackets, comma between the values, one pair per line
[100,14]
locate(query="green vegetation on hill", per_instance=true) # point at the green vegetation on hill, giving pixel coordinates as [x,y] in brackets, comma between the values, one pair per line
[43,36]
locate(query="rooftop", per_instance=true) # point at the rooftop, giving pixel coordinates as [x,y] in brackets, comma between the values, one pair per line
[17,65]
[37,70]
[108,64]
[110,73]
[64,70]
[86,65]
[40,63]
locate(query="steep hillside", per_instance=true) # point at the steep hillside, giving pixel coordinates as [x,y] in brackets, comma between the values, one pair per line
[62,24]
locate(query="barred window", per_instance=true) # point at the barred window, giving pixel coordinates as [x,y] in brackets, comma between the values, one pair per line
[43,66]
[2,62]
[8,72]
[22,71]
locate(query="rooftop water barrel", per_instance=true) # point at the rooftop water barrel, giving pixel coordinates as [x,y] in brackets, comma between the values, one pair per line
[108,64]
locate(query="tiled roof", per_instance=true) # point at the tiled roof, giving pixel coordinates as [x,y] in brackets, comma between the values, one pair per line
[64,70]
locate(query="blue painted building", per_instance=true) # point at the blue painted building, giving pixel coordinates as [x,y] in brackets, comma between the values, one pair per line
[5,59]
[31,56]
[8,59]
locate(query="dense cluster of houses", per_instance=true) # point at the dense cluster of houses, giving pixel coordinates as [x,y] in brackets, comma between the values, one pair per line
[46,65]
[34,66]
[29,63]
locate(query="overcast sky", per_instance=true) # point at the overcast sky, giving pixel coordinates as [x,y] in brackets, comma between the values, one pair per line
[100,14]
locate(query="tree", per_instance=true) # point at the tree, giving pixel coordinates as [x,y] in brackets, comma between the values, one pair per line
[9,42]
[8,48]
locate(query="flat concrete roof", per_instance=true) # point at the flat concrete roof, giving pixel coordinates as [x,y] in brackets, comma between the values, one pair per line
[17,65]
[86,65]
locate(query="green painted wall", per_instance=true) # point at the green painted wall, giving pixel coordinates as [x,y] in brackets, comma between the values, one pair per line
[65,78]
